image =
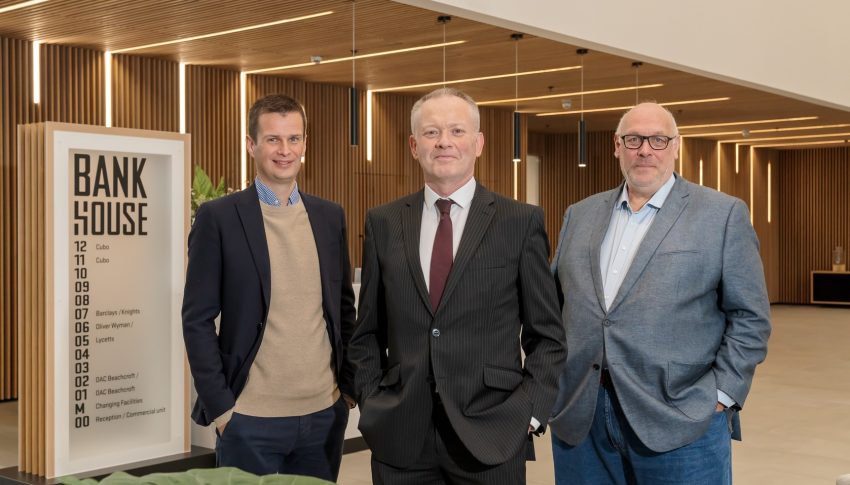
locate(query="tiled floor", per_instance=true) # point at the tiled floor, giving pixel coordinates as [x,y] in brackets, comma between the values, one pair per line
[796,423]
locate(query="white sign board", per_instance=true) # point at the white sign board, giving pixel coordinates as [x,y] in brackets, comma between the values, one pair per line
[119,377]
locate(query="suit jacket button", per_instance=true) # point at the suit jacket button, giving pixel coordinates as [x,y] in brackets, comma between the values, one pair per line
[435,332]
[606,322]
[595,366]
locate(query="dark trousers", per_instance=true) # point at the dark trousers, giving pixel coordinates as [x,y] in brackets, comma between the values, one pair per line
[299,445]
[445,460]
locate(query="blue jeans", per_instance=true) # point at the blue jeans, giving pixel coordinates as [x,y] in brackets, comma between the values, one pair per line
[612,454]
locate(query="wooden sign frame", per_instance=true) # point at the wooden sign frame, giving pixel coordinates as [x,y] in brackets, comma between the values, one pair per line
[103,220]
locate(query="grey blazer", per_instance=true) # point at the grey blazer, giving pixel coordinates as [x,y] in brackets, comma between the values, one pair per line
[499,300]
[692,316]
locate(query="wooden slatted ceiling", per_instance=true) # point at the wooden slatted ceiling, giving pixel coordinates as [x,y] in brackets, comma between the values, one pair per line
[384,25]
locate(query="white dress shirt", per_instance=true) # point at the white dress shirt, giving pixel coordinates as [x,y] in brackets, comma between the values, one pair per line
[462,199]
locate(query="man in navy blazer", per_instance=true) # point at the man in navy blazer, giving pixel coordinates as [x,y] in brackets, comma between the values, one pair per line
[273,263]
[664,302]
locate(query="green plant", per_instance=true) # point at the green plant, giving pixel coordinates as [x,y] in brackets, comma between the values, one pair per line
[203,189]
[210,476]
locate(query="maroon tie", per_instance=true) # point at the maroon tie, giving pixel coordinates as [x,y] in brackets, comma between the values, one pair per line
[441,255]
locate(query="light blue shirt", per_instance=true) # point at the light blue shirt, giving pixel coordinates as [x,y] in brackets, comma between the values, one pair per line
[625,233]
[268,197]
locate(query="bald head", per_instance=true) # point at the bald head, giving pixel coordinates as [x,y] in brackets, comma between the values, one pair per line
[646,109]
[645,168]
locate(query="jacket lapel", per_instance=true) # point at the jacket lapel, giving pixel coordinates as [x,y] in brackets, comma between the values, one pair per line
[480,215]
[661,225]
[248,208]
[602,216]
[322,238]
[411,220]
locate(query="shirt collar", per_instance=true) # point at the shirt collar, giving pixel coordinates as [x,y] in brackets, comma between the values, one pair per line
[462,196]
[656,201]
[268,197]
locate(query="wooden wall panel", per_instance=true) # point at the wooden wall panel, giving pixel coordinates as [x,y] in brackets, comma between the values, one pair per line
[145,93]
[813,215]
[767,231]
[563,182]
[32,301]
[735,175]
[15,96]
[695,150]
[212,118]
[71,91]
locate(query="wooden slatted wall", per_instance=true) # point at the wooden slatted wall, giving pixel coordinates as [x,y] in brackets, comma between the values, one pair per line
[145,93]
[32,302]
[767,231]
[15,55]
[563,182]
[212,118]
[71,91]
[814,215]
[694,150]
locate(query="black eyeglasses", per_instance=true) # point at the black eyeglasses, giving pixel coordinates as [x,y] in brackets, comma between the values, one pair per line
[656,142]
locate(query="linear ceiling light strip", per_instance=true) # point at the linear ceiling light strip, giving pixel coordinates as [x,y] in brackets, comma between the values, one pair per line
[753,122]
[17,6]
[474,79]
[363,56]
[576,93]
[224,32]
[772,130]
[623,108]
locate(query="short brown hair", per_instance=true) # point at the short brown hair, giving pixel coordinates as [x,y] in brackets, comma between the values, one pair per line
[273,103]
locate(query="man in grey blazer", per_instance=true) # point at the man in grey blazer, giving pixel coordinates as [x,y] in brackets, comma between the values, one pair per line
[455,285]
[664,302]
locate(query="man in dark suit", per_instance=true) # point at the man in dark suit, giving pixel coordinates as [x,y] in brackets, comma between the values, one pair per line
[273,263]
[455,284]
[667,316]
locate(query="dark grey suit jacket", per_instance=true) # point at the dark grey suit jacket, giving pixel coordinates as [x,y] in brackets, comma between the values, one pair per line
[499,299]
[692,316]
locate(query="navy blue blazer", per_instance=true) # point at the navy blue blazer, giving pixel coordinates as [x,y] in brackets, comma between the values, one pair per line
[229,275]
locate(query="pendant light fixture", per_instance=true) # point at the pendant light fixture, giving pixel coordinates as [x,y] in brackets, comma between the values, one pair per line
[517,134]
[582,128]
[636,66]
[444,19]
[353,98]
